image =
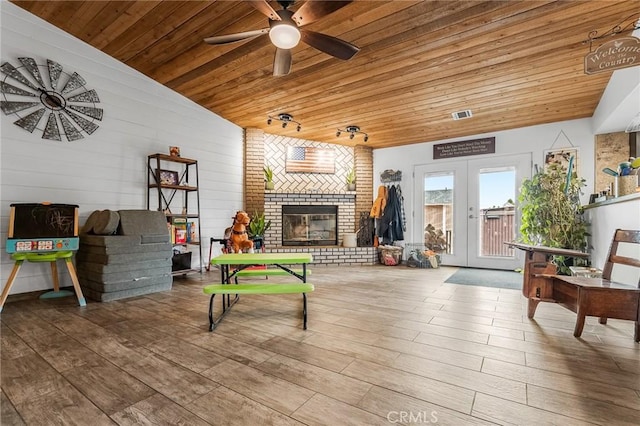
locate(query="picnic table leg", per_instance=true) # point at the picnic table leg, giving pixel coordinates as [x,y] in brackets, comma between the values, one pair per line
[304,311]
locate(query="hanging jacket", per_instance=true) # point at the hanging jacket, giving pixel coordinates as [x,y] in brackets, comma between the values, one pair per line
[391,222]
[379,204]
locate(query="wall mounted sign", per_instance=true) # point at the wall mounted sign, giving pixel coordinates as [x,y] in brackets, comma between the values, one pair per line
[464,148]
[46,98]
[565,158]
[620,53]
[305,159]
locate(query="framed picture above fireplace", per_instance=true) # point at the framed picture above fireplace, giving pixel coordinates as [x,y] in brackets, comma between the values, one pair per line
[305,159]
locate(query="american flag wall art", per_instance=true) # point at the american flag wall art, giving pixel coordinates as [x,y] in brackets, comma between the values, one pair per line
[303,159]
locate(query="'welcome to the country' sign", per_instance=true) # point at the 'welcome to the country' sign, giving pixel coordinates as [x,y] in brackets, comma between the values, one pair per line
[613,55]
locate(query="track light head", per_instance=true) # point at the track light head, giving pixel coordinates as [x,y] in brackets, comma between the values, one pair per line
[352,130]
[285,119]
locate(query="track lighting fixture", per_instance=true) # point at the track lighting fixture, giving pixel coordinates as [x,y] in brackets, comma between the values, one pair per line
[352,130]
[285,119]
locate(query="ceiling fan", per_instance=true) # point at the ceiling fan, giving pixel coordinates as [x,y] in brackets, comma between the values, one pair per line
[285,32]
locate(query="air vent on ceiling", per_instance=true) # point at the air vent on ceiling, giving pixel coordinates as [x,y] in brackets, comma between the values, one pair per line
[634,125]
[461,114]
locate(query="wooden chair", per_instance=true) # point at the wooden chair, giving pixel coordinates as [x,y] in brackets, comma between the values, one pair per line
[603,297]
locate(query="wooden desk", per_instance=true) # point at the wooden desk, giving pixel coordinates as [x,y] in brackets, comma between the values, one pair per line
[538,280]
[241,261]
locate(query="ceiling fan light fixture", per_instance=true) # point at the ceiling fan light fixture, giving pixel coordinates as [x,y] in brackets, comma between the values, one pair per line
[284,35]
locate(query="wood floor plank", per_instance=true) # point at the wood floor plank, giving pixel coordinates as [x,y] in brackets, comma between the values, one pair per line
[500,386]
[478,328]
[8,413]
[157,410]
[281,395]
[223,406]
[185,354]
[508,412]
[581,408]
[309,354]
[329,383]
[432,352]
[427,389]
[62,405]
[601,369]
[108,387]
[615,394]
[232,349]
[322,410]
[28,377]
[396,407]
[11,345]
[503,354]
[172,380]
[350,348]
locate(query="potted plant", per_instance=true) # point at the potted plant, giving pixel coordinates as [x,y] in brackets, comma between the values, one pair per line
[257,228]
[351,179]
[268,177]
[551,213]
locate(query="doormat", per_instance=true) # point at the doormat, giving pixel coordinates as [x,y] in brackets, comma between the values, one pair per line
[486,278]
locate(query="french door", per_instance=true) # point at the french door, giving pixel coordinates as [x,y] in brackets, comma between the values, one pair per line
[471,206]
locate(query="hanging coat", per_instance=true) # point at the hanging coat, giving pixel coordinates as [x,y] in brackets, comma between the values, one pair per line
[379,204]
[391,222]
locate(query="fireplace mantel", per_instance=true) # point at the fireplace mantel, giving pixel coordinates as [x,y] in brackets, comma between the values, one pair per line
[309,192]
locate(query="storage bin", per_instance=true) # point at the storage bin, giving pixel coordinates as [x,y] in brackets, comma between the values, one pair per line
[390,255]
[181,262]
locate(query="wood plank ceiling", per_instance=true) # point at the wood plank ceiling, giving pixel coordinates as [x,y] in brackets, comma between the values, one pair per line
[513,63]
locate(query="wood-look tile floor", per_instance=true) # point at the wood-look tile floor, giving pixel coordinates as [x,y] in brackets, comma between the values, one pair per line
[385,345]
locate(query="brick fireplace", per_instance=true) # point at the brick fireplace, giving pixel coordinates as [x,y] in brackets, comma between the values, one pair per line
[309,189]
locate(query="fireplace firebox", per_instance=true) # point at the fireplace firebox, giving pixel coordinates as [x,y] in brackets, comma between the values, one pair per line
[309,225]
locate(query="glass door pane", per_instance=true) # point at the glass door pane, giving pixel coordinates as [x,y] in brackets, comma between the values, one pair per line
[438,211]
[497,190]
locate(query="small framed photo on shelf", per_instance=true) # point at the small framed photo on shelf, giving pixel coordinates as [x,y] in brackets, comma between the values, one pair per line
[167,177]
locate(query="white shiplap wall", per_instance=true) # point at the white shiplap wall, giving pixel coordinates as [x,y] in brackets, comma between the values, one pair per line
[107,170]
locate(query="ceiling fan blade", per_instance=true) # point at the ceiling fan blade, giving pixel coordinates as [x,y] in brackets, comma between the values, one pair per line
[282,62]
[330,45]
[311,11]
[265,8]
[232,38]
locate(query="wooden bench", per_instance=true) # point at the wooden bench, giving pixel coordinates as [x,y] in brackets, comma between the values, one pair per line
[602,297]
[237,289]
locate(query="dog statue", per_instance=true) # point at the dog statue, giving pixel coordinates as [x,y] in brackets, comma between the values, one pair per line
[240,242]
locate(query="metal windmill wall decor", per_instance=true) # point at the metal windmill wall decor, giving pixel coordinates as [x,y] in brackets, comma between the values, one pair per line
[47,99]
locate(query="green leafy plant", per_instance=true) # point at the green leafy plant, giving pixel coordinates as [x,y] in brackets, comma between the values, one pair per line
[351,176]
[551,212]
[258,225]
[268,173]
